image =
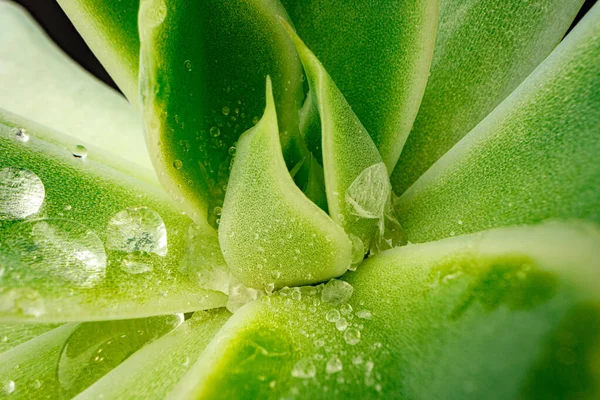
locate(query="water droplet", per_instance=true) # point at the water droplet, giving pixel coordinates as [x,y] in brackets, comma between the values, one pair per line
[177,164]
[134,263]
[334,365]
[9,387]
[352,336]
[304,369]
[341,324]
[332,315]
[369,193]
[21,193]
[20,135]
[58,248]
[255,120]
[95,348]
[357,360]
[215,131]
[232,150]
[364,314]
[24,301]
[346,309]
[358,249]
[296,295]
[275,274]
[137,229]
[188,65]
[217,211]
[79,151]
[225,110]
[336,292]
[37,384]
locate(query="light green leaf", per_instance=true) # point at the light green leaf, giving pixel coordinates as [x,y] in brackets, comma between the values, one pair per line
[60,261]
[270,232]
[483,50]
[66,360]
[153,371]
[378,53]
[109,27]
[42,83]
[204,65]
[510,313]
[535,157]
[12,335]
[356,179]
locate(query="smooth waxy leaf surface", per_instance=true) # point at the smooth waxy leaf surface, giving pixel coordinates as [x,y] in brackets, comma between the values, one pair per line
[270,232]
[12,335]
[203,71]
[483,51]
[508,313]
[82,241]
[110,29]
[535,157]
[356,180]
[66,360]
[43,84]
[153,372]
[378,53]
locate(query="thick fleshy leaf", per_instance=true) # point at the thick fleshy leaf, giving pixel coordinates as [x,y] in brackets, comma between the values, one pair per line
[42,83]
[110,29]
[270,232]
[66,360]
[13,335]
[483,51]
[378,53]
[204,65]
[82,241]
[535,157]
[356,179]
[510,313]
[153,371]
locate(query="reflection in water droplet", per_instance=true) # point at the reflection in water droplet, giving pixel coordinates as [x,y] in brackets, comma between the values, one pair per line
[21,193]
[95,348]
[21,135]
[137,229]
[80,151]
[55,249]
[304,369]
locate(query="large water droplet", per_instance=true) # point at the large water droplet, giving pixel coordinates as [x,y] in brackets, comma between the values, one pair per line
[334,365]
[55,249]
[304,369]
[79,151]
[336,292]
[370,192]
[20,135]
[137,229]
[21,193]
[95,348]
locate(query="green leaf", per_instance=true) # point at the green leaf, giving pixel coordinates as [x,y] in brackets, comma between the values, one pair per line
[535,157]
[204,65]
[66,360]
[13,335]
[153,371]
[270,232]
[483,50]
[110,29]
[378,53]
[509,313]
[82,241]
[43,84]
[356,180]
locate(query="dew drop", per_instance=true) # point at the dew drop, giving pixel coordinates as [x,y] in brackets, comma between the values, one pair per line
[9,387]
[177,164]
[79,151]
[346,309]
[225,110]
[21,193]
[217,211]
[137,229]
[341,324]
[334,365]
[20,135]
[188,65]
[352,336]
[232,151]
[336,292]
[332,315]
[215,131]
[304,369]
[58,249]
[135,263]
[358,249]
[364,314]
[37,384]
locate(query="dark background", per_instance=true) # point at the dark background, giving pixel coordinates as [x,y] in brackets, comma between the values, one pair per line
[50,16]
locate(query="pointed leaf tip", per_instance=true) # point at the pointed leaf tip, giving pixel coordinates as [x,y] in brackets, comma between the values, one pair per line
[270,233]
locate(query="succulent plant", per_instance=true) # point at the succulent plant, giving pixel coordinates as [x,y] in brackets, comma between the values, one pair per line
[302,199]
